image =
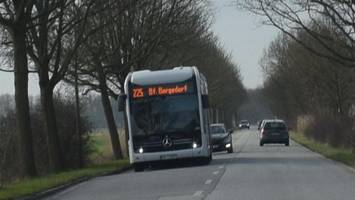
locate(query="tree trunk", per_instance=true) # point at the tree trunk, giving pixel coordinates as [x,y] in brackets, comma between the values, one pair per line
[77,118]
[54,149]
[115,141]
[110,120]
[23,121]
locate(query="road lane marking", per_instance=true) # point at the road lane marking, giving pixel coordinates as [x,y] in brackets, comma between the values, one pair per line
[208,182]
[198,193]
[221,167]
[216,172]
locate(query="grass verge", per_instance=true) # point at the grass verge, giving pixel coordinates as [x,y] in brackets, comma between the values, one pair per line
[101,163]
[34,185]
[343,155]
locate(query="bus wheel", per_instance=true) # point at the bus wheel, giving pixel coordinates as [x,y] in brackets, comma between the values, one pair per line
[210,157]
[230,150]
[206,160]
[138,167]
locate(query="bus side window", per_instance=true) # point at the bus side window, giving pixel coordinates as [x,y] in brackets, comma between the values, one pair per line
[205,101]
[206,122]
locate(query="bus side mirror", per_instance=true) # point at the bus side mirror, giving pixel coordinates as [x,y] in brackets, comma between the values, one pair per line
[121,102]
[205,101]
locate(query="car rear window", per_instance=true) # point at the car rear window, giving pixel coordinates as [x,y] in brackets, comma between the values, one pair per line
[217,129]
[275,126]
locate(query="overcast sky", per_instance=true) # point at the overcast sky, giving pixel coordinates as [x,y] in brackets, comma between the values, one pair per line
[240,33]
[243,35]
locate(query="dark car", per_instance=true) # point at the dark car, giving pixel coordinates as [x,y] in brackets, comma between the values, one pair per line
[221,138]
[274,131]
[244,124]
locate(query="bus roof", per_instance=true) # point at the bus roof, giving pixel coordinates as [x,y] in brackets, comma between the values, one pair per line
[148,77]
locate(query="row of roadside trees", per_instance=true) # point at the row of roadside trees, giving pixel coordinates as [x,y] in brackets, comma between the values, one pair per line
[93,45]
[309,68]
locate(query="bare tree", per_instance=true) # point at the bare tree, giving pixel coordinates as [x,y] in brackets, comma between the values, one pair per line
[298,83]
[56,32]
[14,16]
[291,16]
[93,62]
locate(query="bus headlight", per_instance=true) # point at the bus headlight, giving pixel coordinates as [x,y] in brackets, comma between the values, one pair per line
[140,150]
[194,145]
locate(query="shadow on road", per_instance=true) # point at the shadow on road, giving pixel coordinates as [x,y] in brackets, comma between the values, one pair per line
[181,163]
[186,163]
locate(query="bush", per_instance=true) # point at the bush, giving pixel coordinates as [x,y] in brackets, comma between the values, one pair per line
[9,163]
[65,113]
[334,130]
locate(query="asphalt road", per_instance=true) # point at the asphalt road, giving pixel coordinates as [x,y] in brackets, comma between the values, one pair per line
[272,172]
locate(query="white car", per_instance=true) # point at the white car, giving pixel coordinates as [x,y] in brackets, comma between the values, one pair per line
[244,124]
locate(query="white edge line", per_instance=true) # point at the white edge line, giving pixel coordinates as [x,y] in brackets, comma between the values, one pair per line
[209,181]
[198,193]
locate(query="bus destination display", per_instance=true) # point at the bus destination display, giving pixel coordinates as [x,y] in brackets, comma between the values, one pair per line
[140,92]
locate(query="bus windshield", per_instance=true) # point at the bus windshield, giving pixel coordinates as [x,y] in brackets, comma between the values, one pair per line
[165,114]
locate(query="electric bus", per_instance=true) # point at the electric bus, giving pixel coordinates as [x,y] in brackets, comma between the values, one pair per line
[167,115]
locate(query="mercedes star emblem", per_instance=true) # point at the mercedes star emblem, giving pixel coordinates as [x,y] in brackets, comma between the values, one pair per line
[167,142]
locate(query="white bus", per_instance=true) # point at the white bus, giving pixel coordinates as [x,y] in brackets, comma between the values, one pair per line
[168,116]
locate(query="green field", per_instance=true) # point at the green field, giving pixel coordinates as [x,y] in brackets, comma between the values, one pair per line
[343,155]
[101,144]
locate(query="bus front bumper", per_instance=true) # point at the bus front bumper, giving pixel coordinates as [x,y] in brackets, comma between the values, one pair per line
[169,155]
